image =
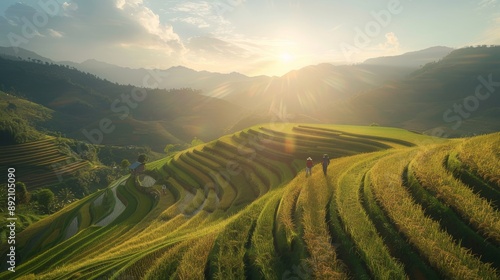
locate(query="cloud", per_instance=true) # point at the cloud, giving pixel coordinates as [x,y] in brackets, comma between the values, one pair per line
[55,34]
[207,15]
[391,44]
[70,6]
[486,4]
[201,9]
[105,30]
[195,21]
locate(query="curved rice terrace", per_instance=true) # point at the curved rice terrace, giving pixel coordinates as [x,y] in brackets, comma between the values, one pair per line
[42,161]
[393,205]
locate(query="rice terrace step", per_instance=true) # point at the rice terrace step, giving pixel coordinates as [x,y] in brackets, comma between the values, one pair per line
[242,207]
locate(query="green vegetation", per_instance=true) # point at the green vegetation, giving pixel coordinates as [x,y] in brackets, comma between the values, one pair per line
[393,205]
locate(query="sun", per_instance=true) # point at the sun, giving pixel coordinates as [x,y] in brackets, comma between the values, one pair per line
[286,57]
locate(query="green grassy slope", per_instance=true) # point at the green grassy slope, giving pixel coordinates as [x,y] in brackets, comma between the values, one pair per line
[241,207]
[40,163]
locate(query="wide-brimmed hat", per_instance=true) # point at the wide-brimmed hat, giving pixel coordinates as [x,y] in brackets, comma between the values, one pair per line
[309,158]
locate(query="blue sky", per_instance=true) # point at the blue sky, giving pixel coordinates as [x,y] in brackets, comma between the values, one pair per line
[256,37]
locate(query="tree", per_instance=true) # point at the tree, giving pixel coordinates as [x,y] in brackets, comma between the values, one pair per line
[196,141]
[66,196]
[125,163]
[45,199]
[170,148]
[22,194]
[142,158]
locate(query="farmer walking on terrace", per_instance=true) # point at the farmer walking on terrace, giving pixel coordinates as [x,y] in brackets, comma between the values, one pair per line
[325,163]
[309,165]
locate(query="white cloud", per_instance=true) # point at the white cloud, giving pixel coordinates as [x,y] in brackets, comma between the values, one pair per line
[55,34]
[486,4]
[391,44]
[120,4]
[204,14]
[70,6]
[111,31]
[202,8]
[195,21]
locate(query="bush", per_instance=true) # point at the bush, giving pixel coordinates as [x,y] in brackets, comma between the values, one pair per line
[22,194]
[45,199]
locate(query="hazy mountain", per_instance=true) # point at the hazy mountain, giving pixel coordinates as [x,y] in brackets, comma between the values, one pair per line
[174,77]
[412,59]
[20,53]
[312,93]
[390,94]
[89,108]
[457,95]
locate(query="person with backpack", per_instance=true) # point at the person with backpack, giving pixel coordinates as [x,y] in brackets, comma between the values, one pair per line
[325,163]
[309,165]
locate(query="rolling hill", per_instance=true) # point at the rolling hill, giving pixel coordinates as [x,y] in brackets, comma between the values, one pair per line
[394,204]
[416,59]
[87,108]
[391,91]
[452,97]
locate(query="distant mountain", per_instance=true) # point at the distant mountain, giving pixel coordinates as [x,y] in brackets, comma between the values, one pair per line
[393,91]
[439,98]
[313,93]
[310,93]
[455,96]
[22,54]
[411,59]
[174,77]
[86,107]
[234,86]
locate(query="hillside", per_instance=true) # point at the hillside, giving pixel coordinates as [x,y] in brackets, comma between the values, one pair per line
[452,97]
[394,204]
[174,77]
[439,98]
[416,59]
[86,107]
[391,91]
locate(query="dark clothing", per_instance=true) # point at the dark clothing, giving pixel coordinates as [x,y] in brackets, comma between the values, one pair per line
[325,163]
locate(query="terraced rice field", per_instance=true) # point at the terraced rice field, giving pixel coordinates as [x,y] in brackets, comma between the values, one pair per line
[393,205]
[42,163]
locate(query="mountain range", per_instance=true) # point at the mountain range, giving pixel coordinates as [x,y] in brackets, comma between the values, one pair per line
[431,90]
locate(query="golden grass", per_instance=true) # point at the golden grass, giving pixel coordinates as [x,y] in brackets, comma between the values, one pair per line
[263,249]
[425,234]
[313,200]
[192,265]
[357,223]
[286,211]
[236,241]
[487,162]
[431,173]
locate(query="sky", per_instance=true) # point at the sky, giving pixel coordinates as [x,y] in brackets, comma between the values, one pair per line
[258,37]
